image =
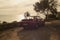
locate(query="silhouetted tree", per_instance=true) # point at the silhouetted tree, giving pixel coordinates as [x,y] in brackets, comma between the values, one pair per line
[14,22]
[4,22]
[46,6]
[26,14]
[0,22]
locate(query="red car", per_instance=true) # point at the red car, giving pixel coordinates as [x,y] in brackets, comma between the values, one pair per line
[32,22]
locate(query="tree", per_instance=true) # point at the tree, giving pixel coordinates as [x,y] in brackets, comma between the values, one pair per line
[4,22]
[46,6]
[0,22]
[26,14]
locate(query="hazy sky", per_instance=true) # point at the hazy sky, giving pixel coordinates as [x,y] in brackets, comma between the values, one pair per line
[11,8]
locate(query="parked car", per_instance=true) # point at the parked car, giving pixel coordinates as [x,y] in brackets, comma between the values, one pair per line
[32,22]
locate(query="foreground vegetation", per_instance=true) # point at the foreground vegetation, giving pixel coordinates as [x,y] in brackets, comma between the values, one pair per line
[6,26]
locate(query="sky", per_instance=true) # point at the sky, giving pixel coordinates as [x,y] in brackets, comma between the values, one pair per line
[10,8]
[14,7]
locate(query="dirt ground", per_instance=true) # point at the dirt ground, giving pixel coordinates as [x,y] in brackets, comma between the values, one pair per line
[51,31]
[10,34]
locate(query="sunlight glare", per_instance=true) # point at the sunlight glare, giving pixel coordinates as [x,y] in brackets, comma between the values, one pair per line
[20,17]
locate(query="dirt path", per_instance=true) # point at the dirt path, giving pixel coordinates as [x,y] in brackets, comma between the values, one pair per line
[43,33]
[10,34]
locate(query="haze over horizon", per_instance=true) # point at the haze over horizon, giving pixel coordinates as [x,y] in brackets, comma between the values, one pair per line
[10,8]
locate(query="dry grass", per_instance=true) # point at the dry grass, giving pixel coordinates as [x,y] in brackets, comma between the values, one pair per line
[10,34]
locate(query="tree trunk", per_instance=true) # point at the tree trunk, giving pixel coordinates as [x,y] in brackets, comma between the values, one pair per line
[47,15]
